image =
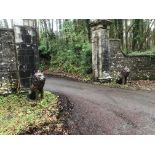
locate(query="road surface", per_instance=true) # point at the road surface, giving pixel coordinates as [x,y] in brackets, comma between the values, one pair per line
[102,110]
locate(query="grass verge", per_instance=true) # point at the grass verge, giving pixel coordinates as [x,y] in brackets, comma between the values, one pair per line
[17,113]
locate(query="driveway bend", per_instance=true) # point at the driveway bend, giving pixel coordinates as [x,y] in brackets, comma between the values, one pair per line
[99,110]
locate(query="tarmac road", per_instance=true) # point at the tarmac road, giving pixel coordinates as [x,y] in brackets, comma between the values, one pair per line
[102,110]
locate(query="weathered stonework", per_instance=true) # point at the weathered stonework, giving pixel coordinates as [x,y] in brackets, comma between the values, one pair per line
[107,57]
[8,64]
[100,48]
[142,67]
[27,51]
[19,57]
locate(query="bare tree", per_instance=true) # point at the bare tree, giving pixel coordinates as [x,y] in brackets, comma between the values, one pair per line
[5,23]
[12,23]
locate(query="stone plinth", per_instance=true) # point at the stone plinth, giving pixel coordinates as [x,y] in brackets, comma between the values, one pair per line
[100,48]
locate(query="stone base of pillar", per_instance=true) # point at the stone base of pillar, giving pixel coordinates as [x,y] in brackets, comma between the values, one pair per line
[106,77]
[104,80]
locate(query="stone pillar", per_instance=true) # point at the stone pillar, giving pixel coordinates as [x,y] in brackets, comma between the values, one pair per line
[27,53]
[100,49]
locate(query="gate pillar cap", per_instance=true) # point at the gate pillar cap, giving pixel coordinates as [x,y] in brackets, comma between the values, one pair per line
[100,23]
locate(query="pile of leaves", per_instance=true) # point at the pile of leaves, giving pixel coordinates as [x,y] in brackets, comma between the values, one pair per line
[143,84]
[133,85]
[73,76]
[18,115]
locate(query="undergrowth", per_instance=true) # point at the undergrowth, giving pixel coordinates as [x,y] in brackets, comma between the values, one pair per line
[17,113]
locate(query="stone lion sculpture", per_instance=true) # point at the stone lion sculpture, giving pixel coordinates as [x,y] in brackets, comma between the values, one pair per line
[36,88]
[123,76]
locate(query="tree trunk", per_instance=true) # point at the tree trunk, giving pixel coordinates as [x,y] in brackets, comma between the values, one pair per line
[5,23]
[60,24]
[57,25]
[12,23]
[120,30]
[144,41]
[126,34]
[88,29]
[46,33]
[136,37]
[52,24]
[112,29]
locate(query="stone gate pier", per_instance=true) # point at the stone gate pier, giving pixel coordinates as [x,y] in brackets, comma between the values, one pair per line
[108,59]
[19,57]
[100,49]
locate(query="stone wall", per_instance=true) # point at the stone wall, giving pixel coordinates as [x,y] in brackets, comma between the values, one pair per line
[142,67]
[8,63]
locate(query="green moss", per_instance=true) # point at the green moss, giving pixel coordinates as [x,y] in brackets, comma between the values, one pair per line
[144,53]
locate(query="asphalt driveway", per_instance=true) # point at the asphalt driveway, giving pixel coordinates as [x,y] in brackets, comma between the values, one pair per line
[102,110]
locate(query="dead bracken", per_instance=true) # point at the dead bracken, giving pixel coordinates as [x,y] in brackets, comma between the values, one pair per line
[19,116]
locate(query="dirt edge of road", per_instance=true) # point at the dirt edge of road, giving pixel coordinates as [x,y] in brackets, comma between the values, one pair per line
[65,115]
[58,75]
